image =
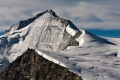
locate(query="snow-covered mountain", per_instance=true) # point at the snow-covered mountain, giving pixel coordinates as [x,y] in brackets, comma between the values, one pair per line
[59,40]
[48,32]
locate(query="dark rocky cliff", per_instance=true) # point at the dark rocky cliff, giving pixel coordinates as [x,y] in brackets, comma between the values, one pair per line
[31,66]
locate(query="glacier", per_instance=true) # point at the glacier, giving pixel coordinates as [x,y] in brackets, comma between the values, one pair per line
[60,41]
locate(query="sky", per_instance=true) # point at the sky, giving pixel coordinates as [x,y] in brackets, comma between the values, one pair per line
[97,16]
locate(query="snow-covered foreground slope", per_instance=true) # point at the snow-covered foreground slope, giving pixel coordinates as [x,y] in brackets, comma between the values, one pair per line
[95,59]
[91,56]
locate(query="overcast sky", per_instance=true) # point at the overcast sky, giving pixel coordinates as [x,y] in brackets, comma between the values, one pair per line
[85,14]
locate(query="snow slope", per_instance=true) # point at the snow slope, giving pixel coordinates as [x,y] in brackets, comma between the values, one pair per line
[95,58]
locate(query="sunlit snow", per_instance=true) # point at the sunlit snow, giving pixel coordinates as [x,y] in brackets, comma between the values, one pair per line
[96,60]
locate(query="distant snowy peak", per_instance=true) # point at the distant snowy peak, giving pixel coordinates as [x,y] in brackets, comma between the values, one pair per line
[45,31]
[52,32]
[25,23]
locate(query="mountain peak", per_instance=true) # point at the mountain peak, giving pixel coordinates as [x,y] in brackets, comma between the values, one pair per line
[50,11]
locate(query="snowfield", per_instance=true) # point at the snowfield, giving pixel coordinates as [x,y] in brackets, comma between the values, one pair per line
[93,59]
[96,58]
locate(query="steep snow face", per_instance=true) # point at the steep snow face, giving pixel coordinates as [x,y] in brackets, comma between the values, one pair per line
[46,31]
[50,33]
[70,30]
[80,39]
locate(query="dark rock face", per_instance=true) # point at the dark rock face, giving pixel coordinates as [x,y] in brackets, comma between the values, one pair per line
[31,66]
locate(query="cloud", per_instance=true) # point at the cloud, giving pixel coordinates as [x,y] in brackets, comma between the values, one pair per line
[91,15]
[83,13]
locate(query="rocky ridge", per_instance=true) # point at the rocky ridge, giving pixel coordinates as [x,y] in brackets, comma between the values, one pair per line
[31,66]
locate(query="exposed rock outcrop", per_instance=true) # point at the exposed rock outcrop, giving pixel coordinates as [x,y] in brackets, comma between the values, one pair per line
[31,66]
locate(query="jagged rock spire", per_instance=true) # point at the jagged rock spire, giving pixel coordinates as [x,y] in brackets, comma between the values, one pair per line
[49,10]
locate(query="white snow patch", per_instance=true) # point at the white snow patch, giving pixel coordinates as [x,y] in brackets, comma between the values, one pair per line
[70,30]
[80,39]
[118,55]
